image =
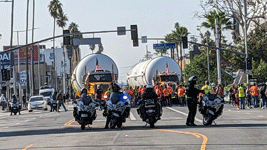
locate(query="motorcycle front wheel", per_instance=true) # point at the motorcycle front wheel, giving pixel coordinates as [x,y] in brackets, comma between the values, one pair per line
[207,120]
[151,122]
[82,126]
[113,123]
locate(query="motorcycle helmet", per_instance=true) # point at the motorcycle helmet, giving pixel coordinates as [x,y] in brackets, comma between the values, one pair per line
[192,80]
[115,87]
[13,96]
[149,85]
[84,90]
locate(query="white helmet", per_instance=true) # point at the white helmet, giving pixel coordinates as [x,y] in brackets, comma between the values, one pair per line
[213,85]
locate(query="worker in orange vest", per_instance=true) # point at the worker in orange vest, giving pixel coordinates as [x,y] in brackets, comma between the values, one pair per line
[130,92]
[254,94]
[143,91]
[170,90]
[180,93]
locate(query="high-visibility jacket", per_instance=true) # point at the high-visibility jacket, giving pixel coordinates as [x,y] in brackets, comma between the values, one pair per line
[165,92]
[207,89]
[241,92]
[253,91]
[169,89]
[130,92]
[158,91]
[142,91]
[200,94]
[180,92]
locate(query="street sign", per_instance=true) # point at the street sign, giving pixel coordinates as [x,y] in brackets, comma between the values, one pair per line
[121,30]
[86,41]
[144,39]
[164,46]
[248,72]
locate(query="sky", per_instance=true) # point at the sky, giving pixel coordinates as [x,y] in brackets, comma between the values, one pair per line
[154,18]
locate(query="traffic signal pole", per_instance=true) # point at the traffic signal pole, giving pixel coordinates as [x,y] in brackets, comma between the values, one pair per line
[219,79]
[246,42]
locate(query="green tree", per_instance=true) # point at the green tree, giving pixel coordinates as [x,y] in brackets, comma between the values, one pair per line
[259,70]
[224,23]
[198,67]
[100,49]
[92,47]
[62,19]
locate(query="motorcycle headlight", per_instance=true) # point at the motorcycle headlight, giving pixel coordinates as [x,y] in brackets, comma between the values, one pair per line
[105,96]
[125,97]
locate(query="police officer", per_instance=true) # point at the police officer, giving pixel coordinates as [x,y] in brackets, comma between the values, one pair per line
[150,94]
[115,97]
[192,93]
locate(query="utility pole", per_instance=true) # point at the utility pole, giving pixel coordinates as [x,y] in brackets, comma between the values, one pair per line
[27,48]
[208,63]
[246,42]
[218,52]
[33,86]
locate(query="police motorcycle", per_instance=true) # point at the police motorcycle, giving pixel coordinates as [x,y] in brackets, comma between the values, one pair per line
[151,116]
[15,106]
[118,109]
[211,107]
[85,110]
[150,109]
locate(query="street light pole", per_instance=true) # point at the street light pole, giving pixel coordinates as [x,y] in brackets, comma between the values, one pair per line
[27,61]
[218,52]
[246,42]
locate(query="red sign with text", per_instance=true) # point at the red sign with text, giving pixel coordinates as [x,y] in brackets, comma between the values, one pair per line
[22,53]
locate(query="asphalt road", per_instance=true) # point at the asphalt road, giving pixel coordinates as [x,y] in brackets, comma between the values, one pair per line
[236,129]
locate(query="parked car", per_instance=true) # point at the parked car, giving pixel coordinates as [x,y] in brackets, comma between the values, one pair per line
[37,102]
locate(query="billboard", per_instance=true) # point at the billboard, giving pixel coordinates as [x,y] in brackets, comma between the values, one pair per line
[22,53]
[5,60]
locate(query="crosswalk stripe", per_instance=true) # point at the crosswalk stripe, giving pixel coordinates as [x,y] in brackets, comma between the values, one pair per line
[183,113]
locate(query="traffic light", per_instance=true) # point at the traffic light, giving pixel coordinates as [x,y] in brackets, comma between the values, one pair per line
[249,63]
[66,39]
[185,42]
[134,35]
[5,75]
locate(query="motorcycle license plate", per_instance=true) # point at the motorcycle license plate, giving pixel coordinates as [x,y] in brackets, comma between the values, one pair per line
[14,108]
[84,115]
[116,115]
[150,111]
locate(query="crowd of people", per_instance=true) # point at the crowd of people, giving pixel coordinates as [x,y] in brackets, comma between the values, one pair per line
[164,92]
[248,97]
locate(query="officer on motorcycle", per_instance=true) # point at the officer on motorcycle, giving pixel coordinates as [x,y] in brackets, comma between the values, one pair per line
[115,97]
[85,99]
[14,101]
[149,94]
[192,93]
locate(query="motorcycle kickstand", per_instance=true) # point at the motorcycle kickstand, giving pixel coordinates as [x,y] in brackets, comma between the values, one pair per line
[214,123]
[89,127]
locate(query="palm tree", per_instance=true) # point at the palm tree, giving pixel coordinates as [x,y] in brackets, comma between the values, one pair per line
[100,49]
[224,23]
[92,47]
[54,8]
[62,19]
[178,33]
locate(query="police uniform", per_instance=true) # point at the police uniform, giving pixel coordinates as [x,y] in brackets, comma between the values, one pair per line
[192,94]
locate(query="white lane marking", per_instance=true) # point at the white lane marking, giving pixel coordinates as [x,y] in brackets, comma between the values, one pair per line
[17,123]
[26,120]
[248,113]
[132,116]
[260,116]
[183,113]
[33,118]
[7,127]
[229,110]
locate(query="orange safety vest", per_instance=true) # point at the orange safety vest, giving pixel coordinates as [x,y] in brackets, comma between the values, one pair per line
[130,92]
[180,92]
[169,89]
[165,92]
[254,91]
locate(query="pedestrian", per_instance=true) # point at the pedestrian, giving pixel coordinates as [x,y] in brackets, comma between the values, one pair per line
[130,92]
[99,94]
[263,96]
[3,101]
[248,97]
[165,95]
[170,90]
[220,91]
[207,88]
[232,95]
[24,101]
[241,95]
[60,101]
[180,93]
[192,94]
[254,94]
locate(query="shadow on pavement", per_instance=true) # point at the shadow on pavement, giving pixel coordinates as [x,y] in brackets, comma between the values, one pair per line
[97,129]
